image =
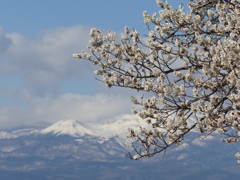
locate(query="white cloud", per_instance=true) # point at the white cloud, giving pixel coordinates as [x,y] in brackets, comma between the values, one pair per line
[95,109]
[5,42]
[37,69]
[45,63]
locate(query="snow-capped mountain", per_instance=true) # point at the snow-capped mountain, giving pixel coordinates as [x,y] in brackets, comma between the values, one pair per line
[116,127]
[69,127]
[120,126]
[73,150]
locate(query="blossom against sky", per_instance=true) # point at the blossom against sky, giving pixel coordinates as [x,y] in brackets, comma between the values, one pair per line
[39,79]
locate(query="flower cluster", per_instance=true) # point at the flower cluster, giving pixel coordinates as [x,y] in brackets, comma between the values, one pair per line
[237,155]
[189,62]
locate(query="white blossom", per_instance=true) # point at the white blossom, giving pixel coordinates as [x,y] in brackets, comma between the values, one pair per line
[77,56]
[188,67]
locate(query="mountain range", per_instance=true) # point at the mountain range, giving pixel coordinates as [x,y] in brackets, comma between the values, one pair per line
[71,150]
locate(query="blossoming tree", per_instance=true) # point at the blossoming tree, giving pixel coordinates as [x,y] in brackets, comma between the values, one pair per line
[189,63]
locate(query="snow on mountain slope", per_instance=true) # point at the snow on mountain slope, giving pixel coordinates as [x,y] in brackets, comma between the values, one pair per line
[103,149]
[120,125]
[17,133]
[69,127]
[6,135]
[117,127]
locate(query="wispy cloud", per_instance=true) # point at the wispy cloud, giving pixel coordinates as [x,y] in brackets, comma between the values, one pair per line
[44,63]
[44,78]
[94,109]
[5,42]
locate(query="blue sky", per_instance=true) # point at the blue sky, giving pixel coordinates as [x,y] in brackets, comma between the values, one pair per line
[39,79]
